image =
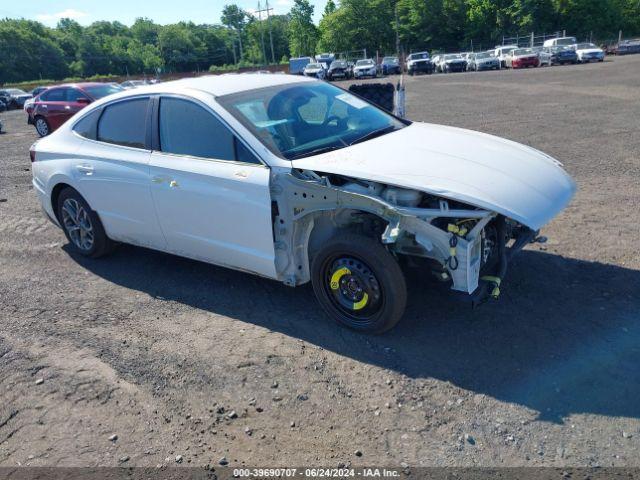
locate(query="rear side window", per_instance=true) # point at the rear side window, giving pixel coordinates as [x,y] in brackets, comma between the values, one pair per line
[189,129]
[55,95]
[87,127]
[124,123]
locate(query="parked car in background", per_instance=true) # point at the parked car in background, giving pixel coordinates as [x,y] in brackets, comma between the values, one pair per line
[501,53]
[453,62]
[34,93]
[38,90]
[326,59]
[562,55]
[627,47]
[482,61]
[560,42]
[588,52]
[315,70]
[14,97]
[522,58]
[132,84]
[3,106]
[390,66]
[365,68]
[419,62]
[544,56]
[297,65]
[299,193]
[56,105]
[339,70]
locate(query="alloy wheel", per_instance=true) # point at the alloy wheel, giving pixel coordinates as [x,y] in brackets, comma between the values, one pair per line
[42,127]
[77,223]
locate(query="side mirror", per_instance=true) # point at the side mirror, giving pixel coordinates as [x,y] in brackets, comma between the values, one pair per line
[83,101]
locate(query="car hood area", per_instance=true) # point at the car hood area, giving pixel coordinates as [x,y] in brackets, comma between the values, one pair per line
[482,170]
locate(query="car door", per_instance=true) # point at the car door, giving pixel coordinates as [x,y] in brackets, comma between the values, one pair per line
[112,170]
[76,100]
[52,105]
[210,190]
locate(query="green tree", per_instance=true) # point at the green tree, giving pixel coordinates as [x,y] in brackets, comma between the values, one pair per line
[235,18]
[303,34]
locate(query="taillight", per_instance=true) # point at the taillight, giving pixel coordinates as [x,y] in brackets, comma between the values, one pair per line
[32,153]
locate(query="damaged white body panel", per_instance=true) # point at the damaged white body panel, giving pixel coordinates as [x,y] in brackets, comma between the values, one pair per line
[302,202]
[489,172]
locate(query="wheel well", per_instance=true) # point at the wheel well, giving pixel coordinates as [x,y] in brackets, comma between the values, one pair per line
[55,194]
[329,223]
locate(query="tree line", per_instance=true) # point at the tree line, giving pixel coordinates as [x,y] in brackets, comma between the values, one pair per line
[30,51]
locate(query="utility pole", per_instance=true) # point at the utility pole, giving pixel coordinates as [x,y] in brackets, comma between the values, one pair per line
[273,56]
[267,10]
[397,32]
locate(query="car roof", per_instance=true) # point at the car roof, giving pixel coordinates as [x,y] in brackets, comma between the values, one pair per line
[217,85]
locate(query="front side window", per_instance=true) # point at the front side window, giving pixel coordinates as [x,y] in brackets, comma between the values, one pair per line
[100,91]
[124,123]
[303,119]
[73,95]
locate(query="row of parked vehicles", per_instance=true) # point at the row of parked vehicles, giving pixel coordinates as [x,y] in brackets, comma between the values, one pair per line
[556,51]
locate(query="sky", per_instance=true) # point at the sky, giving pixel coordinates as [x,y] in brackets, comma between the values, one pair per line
[126,11]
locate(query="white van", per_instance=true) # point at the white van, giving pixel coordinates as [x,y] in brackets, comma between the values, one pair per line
[560,42]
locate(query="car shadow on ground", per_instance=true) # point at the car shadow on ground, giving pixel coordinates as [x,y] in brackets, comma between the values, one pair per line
[564,337]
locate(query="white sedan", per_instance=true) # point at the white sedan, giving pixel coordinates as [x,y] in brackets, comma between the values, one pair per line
[365,68]
[296,180]
[588,52]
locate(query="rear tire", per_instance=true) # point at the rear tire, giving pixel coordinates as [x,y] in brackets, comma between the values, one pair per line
[42,126]
[359,283]
[82,226]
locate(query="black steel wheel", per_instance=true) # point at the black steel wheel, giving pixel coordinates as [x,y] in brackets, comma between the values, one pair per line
[359,283]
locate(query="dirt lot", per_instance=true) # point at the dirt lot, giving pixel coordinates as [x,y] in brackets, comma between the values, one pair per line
[160,351]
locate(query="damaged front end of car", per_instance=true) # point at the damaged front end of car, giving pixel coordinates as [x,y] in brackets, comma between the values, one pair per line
[469,247]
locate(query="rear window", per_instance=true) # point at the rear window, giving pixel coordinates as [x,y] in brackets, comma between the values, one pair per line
[125,123]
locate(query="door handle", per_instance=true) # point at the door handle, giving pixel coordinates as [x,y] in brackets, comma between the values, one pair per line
[67,107]
[173,184]
[86,169]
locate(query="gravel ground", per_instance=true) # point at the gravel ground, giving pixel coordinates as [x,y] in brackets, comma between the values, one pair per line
[179,358]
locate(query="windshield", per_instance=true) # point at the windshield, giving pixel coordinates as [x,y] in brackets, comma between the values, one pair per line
[415,56]
[482,55]
[389,60]
[304,119]
[522,51]
[452,57]
[16,91]
[99,91]
[314,65]
[584,46]
[565,41]
[360,63]
[338,64]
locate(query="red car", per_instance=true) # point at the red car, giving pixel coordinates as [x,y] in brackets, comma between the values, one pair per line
[57,104]
[521,58]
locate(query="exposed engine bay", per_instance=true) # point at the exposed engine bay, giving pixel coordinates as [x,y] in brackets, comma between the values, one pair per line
[461,244]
